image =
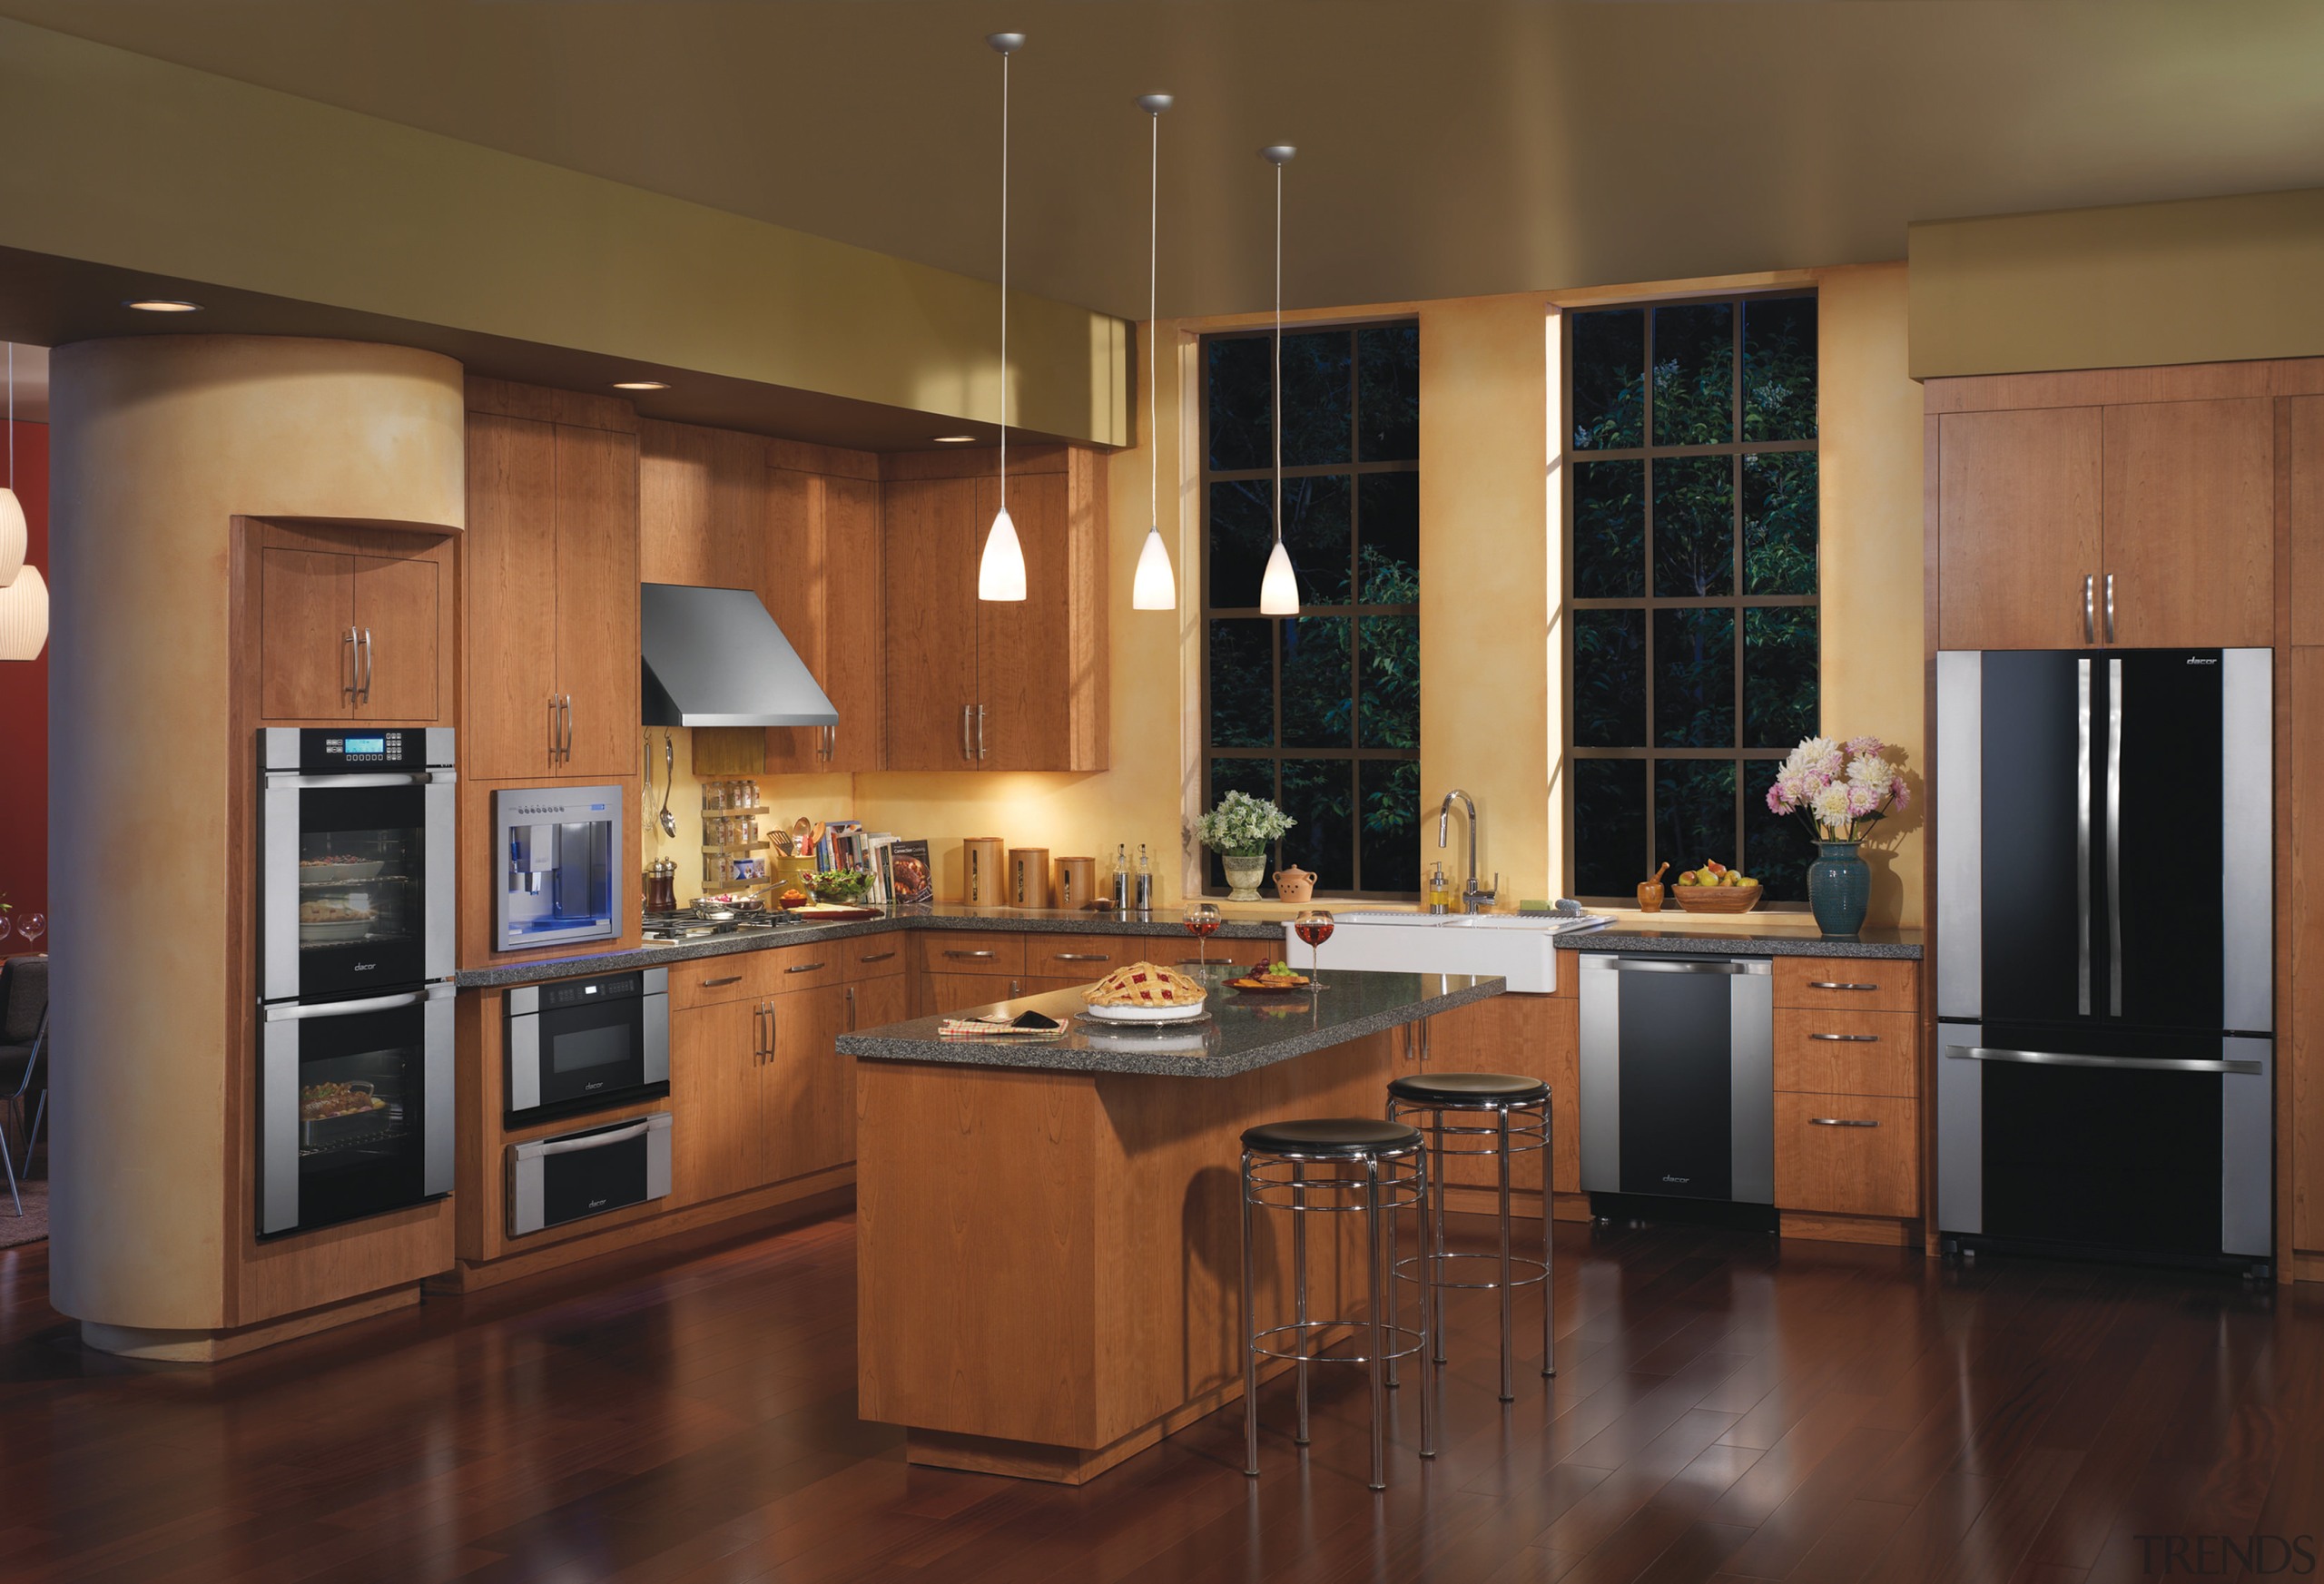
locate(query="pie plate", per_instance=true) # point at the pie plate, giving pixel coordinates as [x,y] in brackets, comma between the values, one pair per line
[1178,1014]
[1253,987]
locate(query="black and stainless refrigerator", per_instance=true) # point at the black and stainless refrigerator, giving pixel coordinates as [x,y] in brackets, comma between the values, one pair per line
[2104,953]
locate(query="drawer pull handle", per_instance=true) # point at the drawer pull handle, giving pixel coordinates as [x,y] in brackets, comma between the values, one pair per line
[1836,984]
[802,967]
[1849,1039]
[731,979]
[875,957]
[1085,957]
[1839,1122]
[971,954]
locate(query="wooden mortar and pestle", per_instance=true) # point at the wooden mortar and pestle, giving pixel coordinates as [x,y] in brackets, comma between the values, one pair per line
[1650,892]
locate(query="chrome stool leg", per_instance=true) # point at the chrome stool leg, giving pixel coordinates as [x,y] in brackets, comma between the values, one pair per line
[1394,1279]
[1428,1398]
[1299,1287]
[1436,1265]
[1549,1241]
[1373,1233]
[1508,1294]
[1250,1339]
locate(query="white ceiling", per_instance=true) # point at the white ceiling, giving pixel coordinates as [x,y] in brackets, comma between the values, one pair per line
[1452,148]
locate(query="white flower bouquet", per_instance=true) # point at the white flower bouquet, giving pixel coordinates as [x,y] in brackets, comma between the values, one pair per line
[1841,789]
[1242,826]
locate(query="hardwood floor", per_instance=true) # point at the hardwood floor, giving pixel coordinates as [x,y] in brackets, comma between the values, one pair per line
[1727,1408]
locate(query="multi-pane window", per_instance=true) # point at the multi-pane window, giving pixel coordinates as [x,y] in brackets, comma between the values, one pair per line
[1319,711]
[1692,571]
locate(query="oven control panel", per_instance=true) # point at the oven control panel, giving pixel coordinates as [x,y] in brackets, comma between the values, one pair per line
[583,992]
[354,750]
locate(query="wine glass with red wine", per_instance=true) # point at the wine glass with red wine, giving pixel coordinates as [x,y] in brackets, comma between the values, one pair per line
[1201,920]
[1314,927]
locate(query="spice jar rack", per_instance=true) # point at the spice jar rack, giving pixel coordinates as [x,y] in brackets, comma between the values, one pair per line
[731,842]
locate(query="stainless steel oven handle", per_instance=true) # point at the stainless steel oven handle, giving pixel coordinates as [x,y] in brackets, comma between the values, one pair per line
[1719,965]
[288,1012]
[2082,836]
[1839,1122]
[2169,1064]
[638,1129]
[2113,818]
[385,778]
[1849,1039]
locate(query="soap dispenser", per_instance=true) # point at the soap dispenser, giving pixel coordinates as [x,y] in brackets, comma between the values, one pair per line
[1439,889]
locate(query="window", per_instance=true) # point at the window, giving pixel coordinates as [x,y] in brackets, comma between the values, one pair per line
[1319,711]
[1691,583]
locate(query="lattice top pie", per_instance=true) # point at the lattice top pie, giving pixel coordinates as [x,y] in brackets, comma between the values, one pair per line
[1144,984]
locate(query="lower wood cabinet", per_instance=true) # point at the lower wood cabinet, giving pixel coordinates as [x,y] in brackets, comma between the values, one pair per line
[806,1087]
[1534,1037]
[954,992]
[759,1092]
[1848,1155]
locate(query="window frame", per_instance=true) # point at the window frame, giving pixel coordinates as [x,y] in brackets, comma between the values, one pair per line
[1352,613]
[1738,602]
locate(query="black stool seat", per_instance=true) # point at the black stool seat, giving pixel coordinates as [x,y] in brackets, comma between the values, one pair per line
[1467,1088]
[1331,1135]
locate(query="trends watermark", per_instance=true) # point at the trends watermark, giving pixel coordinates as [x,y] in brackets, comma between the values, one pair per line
[2196,1555]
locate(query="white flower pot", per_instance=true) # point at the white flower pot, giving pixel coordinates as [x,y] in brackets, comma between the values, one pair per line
[1244,874]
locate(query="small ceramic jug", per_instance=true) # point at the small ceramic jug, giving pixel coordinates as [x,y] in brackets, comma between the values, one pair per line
[1295,884]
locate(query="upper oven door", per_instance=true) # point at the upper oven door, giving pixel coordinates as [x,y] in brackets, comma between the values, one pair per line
[357,883]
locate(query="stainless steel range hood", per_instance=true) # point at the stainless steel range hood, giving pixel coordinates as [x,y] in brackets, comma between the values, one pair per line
[715,657]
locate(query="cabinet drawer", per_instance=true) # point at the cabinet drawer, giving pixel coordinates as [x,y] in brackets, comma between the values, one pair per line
[1821,1051]
[1855,984]
[1178,947]
[871,956]
[1848,1155]
[1081,958]
[973,952]
[707,981]
[789,969]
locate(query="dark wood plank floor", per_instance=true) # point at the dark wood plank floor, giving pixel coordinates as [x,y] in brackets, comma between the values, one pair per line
[1728,1408]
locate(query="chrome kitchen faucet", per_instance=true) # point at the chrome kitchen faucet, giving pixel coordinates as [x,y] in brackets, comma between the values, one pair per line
[1474,900]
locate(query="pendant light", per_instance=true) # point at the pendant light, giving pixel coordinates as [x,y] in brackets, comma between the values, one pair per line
[24,593]
[1279,589]
[1153,589]
[1000,573]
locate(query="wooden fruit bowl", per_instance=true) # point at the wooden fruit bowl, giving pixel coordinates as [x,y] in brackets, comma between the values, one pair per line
[1717,899]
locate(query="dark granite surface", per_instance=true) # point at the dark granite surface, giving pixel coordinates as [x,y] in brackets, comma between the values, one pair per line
[1241,1033]
[1640,932]
[937,916]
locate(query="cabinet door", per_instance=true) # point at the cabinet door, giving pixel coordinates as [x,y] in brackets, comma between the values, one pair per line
[2191,523]
[2017,526]
[874,1003]
[1848,1155]
[853,671]
[930,540]
[1534,1037]
[1024,648]
[701,506]
[954,992]
[511,545]
[714,1078]
[306,612]
[796,591]
[597,600]
[396,611]
[807,1090]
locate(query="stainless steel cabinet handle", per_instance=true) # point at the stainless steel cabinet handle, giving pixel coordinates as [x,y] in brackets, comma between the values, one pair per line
[552,728]
[1013,989]
[2089,607]
[1849,1039]
[731,979]
[850,1008]
[971,954]
[2113,818]
[1839,1122]
[363,696]
[354,666]
[968,746]
[1085,957]
[979,731]
[2082,836]
[1427,1039]
[568,727]
[803,968]
[2110,607]
[875,957]
[1837,985]
[2075,1058]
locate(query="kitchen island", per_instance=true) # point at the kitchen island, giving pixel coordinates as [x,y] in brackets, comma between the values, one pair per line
[1048,1235]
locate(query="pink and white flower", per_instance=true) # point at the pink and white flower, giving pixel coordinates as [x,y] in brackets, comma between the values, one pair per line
[1842,788]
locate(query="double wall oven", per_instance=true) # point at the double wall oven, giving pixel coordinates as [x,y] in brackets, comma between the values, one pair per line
[355,980]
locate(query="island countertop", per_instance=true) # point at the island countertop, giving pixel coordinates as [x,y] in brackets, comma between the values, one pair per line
[1241,1034]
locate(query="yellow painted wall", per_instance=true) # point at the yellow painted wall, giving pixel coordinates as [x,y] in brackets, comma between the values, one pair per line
[2201,280]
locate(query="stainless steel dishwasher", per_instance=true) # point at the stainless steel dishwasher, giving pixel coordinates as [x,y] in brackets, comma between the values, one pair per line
[1677,1077]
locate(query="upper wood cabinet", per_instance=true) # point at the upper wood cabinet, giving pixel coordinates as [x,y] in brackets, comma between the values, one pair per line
[995,686]
[552,587]
[2068,523]
[346,633]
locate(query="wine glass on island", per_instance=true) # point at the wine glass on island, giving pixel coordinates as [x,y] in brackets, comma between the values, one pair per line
[1314,926]
[1201,920]
[31,927]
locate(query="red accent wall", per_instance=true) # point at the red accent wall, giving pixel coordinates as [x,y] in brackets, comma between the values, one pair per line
[24,712]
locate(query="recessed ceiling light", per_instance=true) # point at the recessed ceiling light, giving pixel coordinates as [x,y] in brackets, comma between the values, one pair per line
[161,305]
[641,385]
[956,440]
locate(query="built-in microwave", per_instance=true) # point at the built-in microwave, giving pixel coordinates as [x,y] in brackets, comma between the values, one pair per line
[582,1044]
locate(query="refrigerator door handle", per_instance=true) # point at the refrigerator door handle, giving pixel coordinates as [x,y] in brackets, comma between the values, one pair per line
[2113,831]
[2082,834]
[2128,1063]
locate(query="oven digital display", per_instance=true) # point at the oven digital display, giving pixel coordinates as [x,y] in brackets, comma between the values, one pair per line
[366,745]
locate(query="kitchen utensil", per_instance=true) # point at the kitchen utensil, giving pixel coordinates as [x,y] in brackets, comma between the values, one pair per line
[803,837]
[980,867]
[669,774]
[1717,899]
[779,843]
[1650,892]
[1029,877]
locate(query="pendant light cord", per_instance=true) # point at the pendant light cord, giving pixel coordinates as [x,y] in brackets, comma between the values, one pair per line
[1004,280]
[1277,425]
[12,417]
[1153,324]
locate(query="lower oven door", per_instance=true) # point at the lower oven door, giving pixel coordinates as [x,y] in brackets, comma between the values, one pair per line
[355,1108]
[553,1181]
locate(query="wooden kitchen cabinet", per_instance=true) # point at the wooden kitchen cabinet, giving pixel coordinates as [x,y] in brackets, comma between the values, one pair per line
[823,584]
[715,1082]
[954,992]
[1848,1155]
[2190,513]
[994,685]
[806,1109]
[2018,526]
[702,507]
[1534,1037]
[344,635]
[875,1003]
[552,591]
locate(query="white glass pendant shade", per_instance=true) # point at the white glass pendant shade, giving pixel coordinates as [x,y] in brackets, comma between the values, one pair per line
[1000,575]
[1279,589]
[23,617]
[12,537]
[1154,589]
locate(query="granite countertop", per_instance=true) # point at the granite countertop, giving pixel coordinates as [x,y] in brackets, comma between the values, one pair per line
[931,916]
[1241,1033]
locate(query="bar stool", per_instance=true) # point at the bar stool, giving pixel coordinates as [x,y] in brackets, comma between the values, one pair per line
[1519,1111]
[1341,1165]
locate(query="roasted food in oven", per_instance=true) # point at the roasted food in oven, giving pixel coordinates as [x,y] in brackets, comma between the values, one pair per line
[321,1102]
[332,913]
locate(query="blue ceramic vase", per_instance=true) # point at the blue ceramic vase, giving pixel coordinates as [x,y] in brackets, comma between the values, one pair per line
[1840,888]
